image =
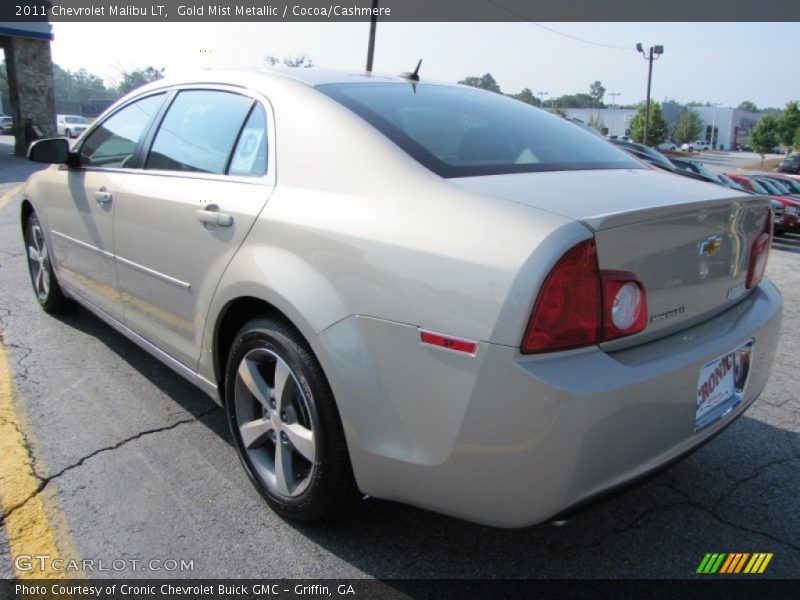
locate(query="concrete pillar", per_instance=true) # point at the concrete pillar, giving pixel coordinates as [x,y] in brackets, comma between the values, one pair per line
[29,68]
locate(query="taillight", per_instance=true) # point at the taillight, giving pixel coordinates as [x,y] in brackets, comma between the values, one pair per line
[567,312]
[579,305]
[759,254]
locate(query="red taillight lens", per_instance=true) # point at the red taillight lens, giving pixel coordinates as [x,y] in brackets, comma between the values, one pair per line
[624,304]
[759,254]
[567,311]
[758,260]
[580,305]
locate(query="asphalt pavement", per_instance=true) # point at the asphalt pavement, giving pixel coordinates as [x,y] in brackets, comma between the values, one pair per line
[134,463]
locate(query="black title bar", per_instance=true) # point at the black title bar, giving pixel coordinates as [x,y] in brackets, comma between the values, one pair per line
[396,10]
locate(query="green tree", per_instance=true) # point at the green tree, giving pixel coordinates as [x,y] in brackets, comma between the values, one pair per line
[79,86]
[688,127]
[796,141]
[789,125]
[527,96]
[485,82]
[4,95]
[598,123]
[765,134]
[597,91]
[579,100]
[656,126]
[748,106]
[298,61]
[134,79]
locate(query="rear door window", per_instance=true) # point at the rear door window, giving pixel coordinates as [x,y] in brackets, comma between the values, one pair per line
[199,131]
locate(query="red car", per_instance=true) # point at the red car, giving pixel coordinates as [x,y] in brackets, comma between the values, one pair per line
[791,208]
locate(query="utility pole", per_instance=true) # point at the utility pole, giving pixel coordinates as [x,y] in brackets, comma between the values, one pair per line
[613,98]
[541,99]
[714,126]
[373,25]
[654,53]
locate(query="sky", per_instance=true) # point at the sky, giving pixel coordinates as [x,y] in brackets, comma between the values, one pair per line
[716,62]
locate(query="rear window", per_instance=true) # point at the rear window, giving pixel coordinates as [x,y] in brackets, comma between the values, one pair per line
[462,132]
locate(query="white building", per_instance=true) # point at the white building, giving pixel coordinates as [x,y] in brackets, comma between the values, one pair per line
[733,126]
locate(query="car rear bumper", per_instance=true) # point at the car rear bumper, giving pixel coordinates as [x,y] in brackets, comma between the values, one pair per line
[511,440]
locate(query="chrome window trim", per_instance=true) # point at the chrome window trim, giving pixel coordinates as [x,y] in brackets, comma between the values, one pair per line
[268,180]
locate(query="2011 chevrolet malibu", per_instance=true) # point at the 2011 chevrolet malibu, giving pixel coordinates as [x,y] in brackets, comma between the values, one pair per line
[415,291]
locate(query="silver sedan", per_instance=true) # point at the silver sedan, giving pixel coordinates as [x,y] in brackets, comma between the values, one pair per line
[416,291]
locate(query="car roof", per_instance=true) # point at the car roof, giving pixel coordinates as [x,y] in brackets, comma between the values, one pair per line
[309,76]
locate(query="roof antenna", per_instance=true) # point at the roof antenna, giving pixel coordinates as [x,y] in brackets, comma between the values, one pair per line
[412,76]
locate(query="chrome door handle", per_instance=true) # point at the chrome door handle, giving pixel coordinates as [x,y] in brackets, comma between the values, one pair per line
[102,196]
[214,218]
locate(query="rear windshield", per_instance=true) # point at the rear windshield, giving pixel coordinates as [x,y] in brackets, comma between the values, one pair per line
[461,132]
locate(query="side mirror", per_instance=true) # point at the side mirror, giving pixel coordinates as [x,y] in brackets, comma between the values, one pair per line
[52,151]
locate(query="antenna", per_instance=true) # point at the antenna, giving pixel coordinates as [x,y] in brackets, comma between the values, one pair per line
[412,76]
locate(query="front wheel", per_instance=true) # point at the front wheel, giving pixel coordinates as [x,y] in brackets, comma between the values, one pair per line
[68,133]
[40,267]
[285,423]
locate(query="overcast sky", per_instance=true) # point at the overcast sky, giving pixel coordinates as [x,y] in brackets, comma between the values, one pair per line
[716,62]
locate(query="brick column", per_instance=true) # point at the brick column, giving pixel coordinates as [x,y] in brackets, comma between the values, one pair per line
[30,83]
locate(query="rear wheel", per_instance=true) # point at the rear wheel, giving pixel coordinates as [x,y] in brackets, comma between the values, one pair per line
[40,267]
[68,133]
[285,423]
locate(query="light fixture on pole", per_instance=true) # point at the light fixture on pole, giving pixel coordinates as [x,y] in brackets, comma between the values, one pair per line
[654,53]
[613,97]
[541,99]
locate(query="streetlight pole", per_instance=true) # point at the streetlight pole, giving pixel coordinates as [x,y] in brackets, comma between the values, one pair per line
[653,54]
[613,98]
[373,25]
[714,127]
[542,94]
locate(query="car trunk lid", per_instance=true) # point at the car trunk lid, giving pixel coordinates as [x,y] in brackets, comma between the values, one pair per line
[688,242]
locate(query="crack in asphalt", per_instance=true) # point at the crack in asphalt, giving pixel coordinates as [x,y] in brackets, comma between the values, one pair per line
[26,444]
[45,481]
[713,511]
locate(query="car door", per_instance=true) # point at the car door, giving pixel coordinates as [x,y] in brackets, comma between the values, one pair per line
[179,221]
[80,207]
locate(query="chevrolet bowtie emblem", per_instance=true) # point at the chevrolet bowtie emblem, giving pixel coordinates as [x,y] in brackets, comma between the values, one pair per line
[710,246]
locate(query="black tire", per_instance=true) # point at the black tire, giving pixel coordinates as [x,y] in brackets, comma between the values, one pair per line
[49,294]
[68,133]
[329,489]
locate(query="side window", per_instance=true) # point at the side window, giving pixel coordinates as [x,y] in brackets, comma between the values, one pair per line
[113,143]
[250,156]
[198,132]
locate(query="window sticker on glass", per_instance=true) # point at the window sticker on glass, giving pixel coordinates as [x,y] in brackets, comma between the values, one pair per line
[247,151]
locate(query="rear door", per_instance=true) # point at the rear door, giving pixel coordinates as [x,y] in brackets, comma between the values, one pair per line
[82,203]
[179,221]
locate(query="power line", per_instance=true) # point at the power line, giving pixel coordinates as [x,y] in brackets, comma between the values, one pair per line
[551,30]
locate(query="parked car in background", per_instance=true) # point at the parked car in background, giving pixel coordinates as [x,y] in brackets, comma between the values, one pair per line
[792,183]
[6,125]
[696,146]
[656,159]
[71,126]
[790,164]
[777,187]
[668,145]
[781,222]
[791,206]
[472,305]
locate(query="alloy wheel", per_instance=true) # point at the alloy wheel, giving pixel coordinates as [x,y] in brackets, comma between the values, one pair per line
[274,423]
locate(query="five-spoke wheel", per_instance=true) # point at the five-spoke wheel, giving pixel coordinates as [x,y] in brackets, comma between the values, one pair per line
[285,423]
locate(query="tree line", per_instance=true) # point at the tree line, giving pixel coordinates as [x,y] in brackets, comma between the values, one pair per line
[80,86]
[777,127]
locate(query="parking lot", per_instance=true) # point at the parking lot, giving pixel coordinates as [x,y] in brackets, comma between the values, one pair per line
[131,461]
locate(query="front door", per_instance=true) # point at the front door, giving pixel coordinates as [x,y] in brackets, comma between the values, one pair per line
[81,205]
[180,220]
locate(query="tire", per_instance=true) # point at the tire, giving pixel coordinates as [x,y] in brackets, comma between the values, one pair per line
[293,446]
[68,133]
[43,279]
